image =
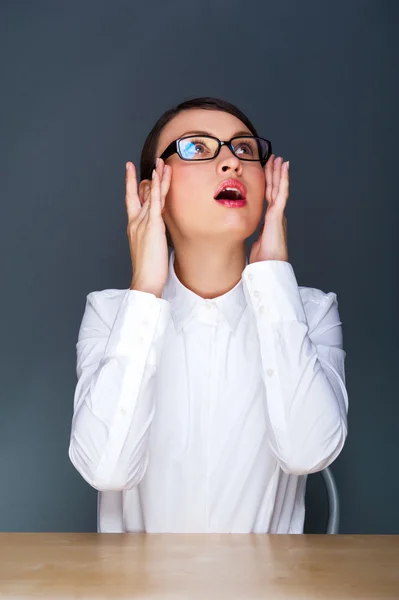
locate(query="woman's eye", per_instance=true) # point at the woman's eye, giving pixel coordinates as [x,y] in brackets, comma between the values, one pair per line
[244,147]
[200,146]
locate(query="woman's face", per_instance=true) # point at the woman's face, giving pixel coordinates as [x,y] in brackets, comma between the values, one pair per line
[191,213]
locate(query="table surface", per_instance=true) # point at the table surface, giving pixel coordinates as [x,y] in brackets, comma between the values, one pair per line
[211,566]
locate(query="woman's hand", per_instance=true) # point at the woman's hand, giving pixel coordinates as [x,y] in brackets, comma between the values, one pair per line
[146,230]
[272,241]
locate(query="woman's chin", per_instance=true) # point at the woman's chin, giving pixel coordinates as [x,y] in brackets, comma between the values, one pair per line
[243,227]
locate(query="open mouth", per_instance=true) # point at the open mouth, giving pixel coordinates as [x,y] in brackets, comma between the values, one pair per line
[229,194]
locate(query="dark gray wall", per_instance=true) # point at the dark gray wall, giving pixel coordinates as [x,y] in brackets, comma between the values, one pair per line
[82,84]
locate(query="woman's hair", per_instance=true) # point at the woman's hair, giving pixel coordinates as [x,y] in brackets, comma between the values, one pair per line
[147,158]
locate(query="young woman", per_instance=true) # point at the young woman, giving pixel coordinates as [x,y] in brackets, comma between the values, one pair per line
[212,386]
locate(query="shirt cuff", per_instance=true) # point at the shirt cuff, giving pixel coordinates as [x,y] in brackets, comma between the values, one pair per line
[271,288]
[139,327]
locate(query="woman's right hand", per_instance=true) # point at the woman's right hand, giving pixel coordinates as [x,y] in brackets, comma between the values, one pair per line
[146,230]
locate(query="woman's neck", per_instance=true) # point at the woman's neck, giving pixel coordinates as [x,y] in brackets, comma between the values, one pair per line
[210,271]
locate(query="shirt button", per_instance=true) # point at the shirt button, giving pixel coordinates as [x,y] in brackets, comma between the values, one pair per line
[208,305]
[261,309]
[250,276]
[123,412]
[256,293]
[270,372]
[146,323]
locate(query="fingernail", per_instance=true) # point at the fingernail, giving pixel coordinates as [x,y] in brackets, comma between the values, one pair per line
[127,166]
[153,173]
[288,164]
[157,162]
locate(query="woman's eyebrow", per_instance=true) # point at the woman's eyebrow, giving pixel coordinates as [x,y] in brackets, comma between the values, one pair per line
[207,133]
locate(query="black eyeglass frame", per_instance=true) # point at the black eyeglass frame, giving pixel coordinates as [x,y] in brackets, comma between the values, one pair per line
[174,148]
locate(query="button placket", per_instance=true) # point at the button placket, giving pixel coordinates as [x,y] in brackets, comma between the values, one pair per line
[212,398]
[208,312]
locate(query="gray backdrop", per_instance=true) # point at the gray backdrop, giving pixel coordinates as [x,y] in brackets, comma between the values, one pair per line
[82,83]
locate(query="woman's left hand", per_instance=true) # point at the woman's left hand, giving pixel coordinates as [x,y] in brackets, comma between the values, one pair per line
[272,241]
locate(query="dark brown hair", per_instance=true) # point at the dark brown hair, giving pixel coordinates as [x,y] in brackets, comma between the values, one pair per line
[147,158]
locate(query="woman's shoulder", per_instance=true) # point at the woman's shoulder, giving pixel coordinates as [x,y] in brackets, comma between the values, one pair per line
[319,306]
[315,295]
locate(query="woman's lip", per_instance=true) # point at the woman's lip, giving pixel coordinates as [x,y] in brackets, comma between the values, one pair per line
[235,183]
[233,203]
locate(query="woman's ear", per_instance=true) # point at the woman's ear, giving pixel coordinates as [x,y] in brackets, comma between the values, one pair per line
[144,190]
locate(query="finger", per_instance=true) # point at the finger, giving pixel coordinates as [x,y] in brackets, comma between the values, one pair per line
[144,211]
[269,178]
[276,177]
[159,166]
[165,184]
[132,200]
[284,184]
[133,226]
[155,196]
[164,172]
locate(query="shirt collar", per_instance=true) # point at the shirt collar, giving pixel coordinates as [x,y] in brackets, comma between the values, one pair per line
[185,303]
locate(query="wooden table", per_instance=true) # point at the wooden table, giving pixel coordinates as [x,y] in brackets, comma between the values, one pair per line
[222,567]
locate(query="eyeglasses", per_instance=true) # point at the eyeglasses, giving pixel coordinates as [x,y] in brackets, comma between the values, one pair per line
[204,147]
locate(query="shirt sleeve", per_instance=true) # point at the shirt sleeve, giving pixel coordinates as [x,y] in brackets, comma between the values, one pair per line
[306,401]
[114,396]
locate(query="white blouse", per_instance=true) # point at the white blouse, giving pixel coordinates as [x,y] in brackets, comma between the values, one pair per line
[194,415]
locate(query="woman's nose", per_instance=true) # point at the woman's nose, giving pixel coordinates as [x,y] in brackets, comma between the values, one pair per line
[228,159]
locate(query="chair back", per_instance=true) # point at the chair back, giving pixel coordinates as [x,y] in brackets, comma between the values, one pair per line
[333,501]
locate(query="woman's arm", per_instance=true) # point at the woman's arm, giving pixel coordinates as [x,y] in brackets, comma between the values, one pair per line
[117,358]
[303,367]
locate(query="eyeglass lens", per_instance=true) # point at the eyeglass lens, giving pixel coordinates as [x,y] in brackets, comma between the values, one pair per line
[203,147]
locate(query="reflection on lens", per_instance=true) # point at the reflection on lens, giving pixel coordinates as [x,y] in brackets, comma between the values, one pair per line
[198,148]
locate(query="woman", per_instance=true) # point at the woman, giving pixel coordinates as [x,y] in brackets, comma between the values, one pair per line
[210,388]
